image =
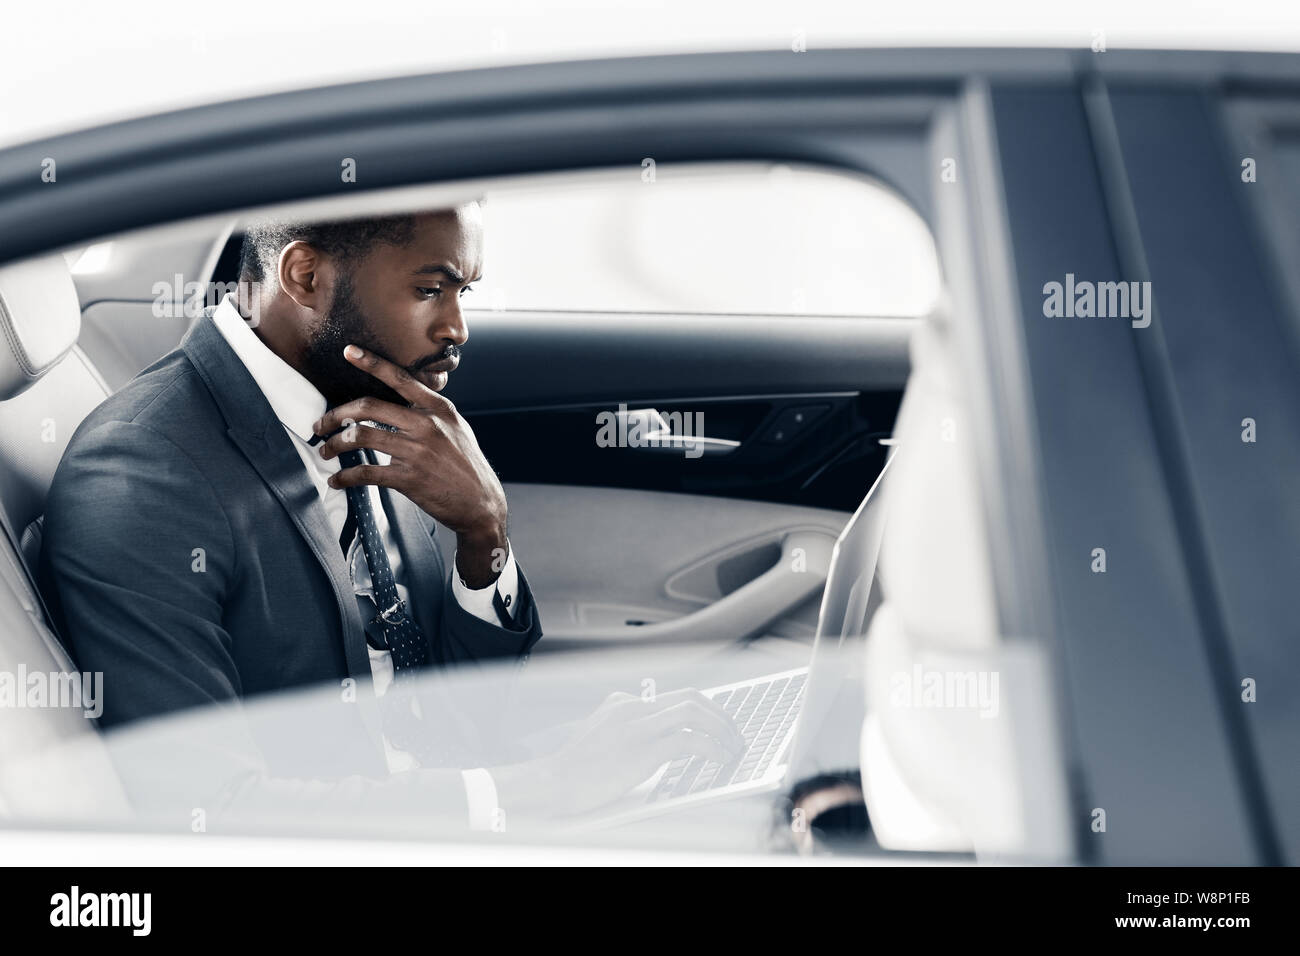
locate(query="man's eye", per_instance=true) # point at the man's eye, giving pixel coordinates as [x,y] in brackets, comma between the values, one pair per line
[428,293]
[465,289]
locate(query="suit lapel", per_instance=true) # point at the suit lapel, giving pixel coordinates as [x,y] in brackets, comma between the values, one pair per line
[421,560]
[256,431]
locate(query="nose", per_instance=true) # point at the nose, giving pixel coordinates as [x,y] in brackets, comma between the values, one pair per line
[450,327]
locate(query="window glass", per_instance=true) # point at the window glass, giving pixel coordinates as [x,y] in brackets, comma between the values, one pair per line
[760,240]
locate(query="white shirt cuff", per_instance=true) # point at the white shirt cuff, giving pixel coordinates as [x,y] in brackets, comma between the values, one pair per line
[481,794]
[478,601]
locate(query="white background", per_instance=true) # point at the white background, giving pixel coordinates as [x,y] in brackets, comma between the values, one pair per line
[64,65]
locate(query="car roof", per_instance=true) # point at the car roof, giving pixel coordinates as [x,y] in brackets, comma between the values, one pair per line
[93,65]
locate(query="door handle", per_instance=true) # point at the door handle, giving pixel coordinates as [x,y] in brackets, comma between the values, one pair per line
[647,430]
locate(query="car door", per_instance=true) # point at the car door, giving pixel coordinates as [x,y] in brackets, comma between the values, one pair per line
[630,549]
[1008,160]
[1171,540]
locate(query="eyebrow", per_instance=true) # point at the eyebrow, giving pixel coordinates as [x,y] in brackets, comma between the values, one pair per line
[436,267]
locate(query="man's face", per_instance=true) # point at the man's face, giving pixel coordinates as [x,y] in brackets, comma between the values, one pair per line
[402,303]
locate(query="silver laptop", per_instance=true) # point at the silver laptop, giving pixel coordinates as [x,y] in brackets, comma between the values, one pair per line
[770,711]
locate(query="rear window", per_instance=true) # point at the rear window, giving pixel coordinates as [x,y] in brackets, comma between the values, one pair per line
[760,240]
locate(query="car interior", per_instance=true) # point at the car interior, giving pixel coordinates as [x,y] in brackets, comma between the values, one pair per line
[800,400]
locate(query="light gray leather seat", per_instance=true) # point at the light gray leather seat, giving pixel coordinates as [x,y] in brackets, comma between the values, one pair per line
[47,387]
[959,751]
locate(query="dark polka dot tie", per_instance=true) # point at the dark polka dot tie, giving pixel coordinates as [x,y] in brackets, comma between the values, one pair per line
[403,636]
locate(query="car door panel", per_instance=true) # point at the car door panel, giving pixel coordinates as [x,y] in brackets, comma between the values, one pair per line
[805,399]
[611,566]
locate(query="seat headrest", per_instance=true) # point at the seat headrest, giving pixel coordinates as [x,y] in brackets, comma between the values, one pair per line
[40,316]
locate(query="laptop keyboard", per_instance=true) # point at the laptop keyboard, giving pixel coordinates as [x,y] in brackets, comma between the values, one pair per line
[764,713]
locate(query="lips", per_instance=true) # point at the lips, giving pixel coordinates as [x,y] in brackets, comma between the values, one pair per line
[447,364]
[435,374]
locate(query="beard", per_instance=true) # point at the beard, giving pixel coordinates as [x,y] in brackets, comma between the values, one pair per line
[337,379]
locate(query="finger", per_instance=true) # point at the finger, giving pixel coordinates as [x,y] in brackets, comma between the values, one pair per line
[685,742]
[692,696]
[394,376]
[382,475]
[363,436]
[658,702]
[616,699]
[368,409]
[694,716]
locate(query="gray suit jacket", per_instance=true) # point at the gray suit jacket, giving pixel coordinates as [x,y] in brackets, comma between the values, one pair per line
[187,556]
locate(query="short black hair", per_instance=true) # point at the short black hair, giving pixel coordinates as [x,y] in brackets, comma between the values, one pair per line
[348,239]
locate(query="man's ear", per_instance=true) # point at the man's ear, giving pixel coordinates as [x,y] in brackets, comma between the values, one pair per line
[299,277]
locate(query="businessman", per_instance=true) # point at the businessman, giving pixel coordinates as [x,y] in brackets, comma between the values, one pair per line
[256,512]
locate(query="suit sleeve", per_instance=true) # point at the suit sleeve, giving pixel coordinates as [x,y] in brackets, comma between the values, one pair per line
[138,556]
[481,602]
[466,637]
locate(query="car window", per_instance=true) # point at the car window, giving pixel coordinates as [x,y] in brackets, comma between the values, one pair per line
[767,240]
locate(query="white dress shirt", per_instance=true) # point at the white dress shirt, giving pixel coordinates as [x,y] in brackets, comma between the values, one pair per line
[298,405]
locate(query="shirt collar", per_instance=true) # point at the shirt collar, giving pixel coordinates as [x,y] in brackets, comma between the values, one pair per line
[295,401]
